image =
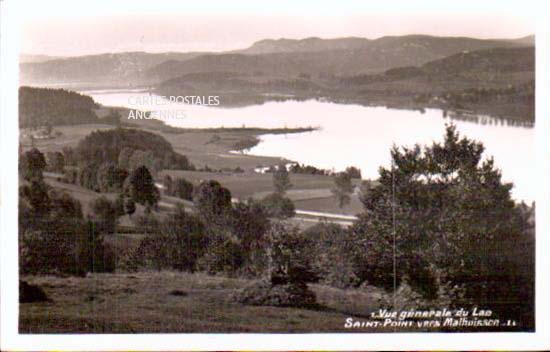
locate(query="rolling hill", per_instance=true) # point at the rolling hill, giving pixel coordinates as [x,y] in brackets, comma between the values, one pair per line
[496,81]
[484,67]
[123,69]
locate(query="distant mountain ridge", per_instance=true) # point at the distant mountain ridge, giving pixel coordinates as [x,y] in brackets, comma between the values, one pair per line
[280,57]
[312,44]
[328,57]
[442,44]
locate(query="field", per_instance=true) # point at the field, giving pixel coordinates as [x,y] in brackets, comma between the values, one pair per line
[170,302]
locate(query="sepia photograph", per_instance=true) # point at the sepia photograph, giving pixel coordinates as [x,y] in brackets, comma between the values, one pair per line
[200,171]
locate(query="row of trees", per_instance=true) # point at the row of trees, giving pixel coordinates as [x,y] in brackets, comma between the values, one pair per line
[138,185]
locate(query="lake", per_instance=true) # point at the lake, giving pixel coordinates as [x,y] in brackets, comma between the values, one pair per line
[349,134]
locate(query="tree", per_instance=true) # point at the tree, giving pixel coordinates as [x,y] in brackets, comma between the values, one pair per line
[124,157]
[343,188]
[278,206]
[110,177]
[62,205]
[290,262]
[145,158]
[31,164]
[249,223]
[141,187]
[87,177]
[354,172]
[69,156]
[281,179]
[104,214]
[55,161]
[453,223]
[213,201]
[330,248]
[36,196]
[183,189]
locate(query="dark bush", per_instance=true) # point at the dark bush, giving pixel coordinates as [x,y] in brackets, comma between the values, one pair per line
[213,202]
[289,254]
[55,162]
[331,248]
[223,255]
[29,293]
[263,293]
[176,243]
[354,172]
[289,271]
[31,164]
[104,214]
[278,206]
[140,186]
[249,224]
[110,177]
[178,293]
[183,189]
[94,255]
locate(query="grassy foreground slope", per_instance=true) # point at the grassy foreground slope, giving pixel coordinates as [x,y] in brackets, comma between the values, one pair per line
[170,302]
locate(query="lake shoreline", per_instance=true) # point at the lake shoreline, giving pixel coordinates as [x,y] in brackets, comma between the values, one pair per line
[511,113]
[344,130]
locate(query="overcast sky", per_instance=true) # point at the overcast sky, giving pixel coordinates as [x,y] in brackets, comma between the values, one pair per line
[85,27]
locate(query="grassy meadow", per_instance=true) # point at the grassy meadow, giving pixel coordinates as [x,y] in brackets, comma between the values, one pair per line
[176,302]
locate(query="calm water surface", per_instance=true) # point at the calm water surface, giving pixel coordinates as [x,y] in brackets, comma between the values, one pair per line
[349,134]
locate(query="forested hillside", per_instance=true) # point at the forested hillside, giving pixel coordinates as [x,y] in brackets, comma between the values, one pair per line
[499,81]
[42,106]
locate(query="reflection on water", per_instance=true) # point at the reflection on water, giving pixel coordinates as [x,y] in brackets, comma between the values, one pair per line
[486,119]
[358,135]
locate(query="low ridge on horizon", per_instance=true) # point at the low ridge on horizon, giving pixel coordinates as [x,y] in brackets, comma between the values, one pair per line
[34,58]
